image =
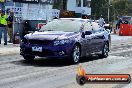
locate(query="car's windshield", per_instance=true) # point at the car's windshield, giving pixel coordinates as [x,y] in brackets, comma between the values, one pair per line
[62,25]
[128,18]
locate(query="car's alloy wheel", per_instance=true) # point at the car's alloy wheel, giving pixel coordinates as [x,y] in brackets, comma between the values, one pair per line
[76,54]
[105,51]
[29,58]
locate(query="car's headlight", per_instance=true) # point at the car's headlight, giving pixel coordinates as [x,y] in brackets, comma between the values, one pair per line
[61,42]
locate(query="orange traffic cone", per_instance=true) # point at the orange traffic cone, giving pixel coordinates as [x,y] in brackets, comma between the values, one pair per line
[81,71]
[114,30]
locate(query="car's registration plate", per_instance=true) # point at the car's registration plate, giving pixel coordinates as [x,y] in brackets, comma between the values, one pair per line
[38,49]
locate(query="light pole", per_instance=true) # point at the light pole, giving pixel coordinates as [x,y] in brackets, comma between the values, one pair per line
[109,11]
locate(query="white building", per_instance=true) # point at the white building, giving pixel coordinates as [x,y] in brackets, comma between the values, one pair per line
[79,6]
[37,12]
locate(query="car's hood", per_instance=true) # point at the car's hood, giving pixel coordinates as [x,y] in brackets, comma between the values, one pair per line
[49,35]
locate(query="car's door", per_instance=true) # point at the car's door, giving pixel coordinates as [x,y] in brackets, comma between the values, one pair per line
[85,45]
[98,39]
[101,37]
[88,38]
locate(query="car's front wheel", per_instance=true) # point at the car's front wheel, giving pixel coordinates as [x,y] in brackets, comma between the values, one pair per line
[28,57]
[75,54]
[105,51]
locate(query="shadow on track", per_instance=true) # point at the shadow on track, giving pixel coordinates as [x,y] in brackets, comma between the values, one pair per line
[51,62]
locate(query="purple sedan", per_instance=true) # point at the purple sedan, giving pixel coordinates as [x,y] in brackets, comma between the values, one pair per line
[67,38]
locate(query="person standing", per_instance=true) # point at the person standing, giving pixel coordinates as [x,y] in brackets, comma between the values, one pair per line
[119,23]
[10,26]
[101,21]
[3,26]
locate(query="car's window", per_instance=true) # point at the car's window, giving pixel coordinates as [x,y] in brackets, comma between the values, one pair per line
[101,29]
[87,26]
[95,27]
[62,25]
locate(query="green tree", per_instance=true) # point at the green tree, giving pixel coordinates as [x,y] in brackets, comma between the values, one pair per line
[60,4]
[122,7]
[99,7]
[117,8]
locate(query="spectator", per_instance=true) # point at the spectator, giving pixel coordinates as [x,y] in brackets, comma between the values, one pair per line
[101,21]
[119,23]
[10,26]
[3,26]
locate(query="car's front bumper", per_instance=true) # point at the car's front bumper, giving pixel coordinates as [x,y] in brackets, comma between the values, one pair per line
[47,51]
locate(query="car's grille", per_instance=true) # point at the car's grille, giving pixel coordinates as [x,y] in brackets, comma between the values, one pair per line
[45,52]
[40,42]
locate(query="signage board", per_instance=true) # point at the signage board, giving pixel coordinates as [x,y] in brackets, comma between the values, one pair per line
[67,14]
[46,1]
[26,1]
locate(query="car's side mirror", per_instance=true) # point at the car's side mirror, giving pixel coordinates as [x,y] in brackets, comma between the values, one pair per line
[88,32]
[83,35]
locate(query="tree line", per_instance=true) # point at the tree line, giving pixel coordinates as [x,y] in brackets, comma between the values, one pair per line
[117,8]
